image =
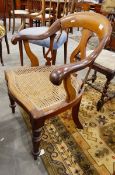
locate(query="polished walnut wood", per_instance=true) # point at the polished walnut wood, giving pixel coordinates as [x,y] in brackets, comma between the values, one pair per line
[25,81]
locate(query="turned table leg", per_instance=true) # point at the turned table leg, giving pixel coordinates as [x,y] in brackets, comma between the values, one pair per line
[104,94]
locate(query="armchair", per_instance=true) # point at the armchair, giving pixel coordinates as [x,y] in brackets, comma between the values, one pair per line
[44,91]
[14,12]
[61,36]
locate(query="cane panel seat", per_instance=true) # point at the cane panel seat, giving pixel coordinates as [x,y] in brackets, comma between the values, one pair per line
[40,92]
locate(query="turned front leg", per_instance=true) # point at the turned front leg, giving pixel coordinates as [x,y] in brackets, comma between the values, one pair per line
[12,103]
[36,137]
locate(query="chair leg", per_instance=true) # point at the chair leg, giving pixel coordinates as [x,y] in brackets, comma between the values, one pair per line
[31,22]
[94,76]
[54,57]
[7,45]
[65,52]
[12,103]
[75,111]
[13,25]
[23,24]
[36,137]
[21,52]
[1,53]
[100,103]
[44,51]
[9,22]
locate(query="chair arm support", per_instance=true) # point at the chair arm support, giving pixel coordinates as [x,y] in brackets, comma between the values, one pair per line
[56,26]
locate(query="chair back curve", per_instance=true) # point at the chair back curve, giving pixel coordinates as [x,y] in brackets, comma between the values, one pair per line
[90,22]
[101,27]
[81,19]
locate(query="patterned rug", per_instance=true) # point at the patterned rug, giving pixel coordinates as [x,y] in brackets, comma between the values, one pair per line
[91,151]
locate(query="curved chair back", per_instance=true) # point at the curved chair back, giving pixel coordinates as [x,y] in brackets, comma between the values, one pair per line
[101,27]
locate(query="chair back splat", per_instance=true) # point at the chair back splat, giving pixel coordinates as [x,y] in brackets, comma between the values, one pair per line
[45,91]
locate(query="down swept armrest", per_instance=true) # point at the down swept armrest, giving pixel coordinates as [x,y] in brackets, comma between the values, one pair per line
[60,73]
[56,26]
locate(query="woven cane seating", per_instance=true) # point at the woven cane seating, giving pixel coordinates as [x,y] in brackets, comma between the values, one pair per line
[44,91]
[51,97]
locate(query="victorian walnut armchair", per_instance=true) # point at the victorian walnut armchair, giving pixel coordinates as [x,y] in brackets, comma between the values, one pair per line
[44,91]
